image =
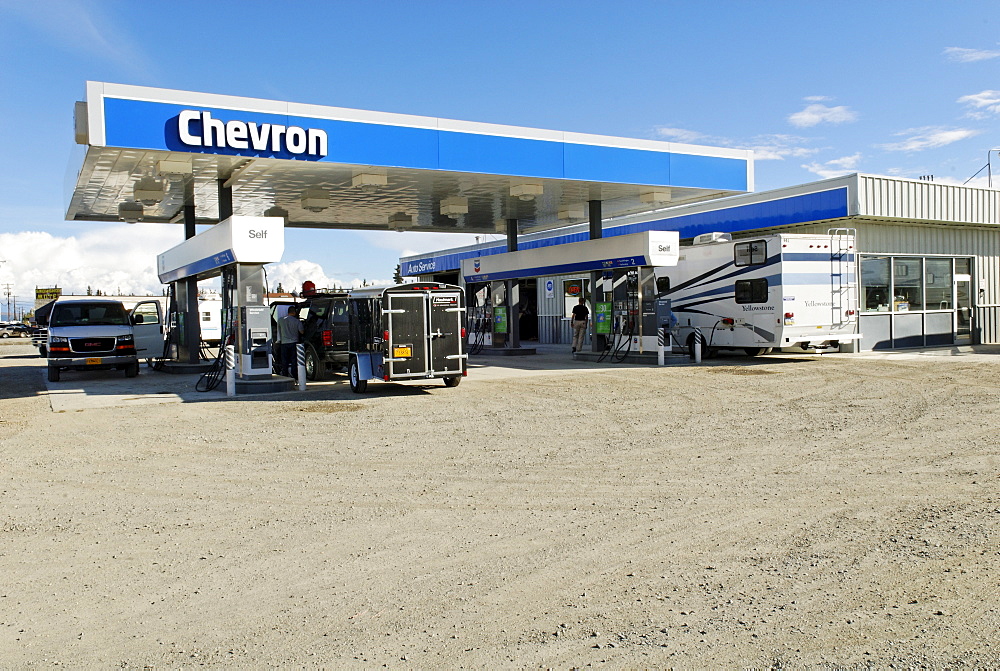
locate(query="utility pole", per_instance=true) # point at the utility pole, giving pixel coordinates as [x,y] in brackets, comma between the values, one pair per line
[7,293]
[7,287]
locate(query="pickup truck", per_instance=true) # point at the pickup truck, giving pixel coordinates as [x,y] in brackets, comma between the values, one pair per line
[99,334]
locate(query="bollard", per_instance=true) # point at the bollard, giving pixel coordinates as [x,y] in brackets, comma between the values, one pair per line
[661,336]
[697,345]
[230,370]
[300,355]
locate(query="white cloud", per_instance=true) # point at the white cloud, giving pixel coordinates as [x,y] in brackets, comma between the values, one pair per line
[979,182]
[291,275]
[816,114]
[121,258]
[963,55]
[680,134]
[929,137]
[817,99]
[836,167]
[778,147]
[982,103]
[110,258]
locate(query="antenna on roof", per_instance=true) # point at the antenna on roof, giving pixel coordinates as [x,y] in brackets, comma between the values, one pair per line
[988,168]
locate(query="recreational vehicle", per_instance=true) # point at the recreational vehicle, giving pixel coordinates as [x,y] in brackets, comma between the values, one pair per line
[758,294]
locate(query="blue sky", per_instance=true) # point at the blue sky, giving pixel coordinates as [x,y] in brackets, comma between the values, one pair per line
[817,89]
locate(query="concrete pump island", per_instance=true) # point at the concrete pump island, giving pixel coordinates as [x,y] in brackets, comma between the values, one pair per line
[810,478]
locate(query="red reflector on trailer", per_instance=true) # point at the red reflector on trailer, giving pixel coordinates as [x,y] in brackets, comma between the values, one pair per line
[385,336]
[789,315]
[463,331]
[385,377]
[465,373]
[728,321]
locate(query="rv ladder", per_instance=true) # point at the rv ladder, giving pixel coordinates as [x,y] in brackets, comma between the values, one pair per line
[841,273]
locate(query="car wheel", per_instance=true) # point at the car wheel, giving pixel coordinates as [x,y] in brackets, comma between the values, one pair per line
[4,335]
[132,369]
[453,381]
[358,386]
[315,368]
[53,374]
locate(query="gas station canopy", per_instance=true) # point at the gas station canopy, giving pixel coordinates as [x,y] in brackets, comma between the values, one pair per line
[149,153]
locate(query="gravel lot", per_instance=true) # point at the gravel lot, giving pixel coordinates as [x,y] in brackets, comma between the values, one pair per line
[783,512]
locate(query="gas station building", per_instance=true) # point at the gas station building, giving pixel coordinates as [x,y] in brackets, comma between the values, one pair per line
[911,236]
[167,156]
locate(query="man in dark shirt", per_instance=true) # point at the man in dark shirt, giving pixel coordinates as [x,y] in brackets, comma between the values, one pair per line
[289,332]
[581,315]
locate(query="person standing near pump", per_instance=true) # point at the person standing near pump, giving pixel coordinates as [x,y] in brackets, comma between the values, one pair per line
[581,315]
[290,331]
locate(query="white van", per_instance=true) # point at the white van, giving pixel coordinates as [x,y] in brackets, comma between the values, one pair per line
[99,334]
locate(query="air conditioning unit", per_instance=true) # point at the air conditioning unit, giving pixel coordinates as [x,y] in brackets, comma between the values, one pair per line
[709,238]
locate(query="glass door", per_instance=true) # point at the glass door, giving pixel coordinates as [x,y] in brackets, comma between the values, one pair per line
[963,301]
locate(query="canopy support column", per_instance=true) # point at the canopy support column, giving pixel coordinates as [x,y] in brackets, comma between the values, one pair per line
[189,345]
[596,228]
[512,235]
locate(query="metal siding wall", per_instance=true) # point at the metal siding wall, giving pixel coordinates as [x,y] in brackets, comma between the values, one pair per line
[906,199]
[552,328]
[980,243]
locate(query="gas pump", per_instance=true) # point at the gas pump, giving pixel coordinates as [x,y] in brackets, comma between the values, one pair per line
[237,249]
[624,312]
[248,320]
[480,326]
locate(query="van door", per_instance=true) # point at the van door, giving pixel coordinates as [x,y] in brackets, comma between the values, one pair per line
[445,333]
[406,321]
[147,329]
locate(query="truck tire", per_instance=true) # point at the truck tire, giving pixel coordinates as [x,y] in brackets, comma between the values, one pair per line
[358,386]
[453,381]
[53,374]
[132,369]
[43,351]
[315,367]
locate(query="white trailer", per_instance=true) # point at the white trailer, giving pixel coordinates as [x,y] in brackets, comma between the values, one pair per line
[763,293]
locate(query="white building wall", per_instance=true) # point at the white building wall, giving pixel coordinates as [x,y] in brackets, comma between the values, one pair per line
[981,243]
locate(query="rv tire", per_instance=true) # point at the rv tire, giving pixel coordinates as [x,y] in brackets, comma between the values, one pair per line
[706,351]
[452,381]
[755,351]
[358,386]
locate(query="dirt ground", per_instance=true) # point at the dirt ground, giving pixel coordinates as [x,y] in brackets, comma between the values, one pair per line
[781,512]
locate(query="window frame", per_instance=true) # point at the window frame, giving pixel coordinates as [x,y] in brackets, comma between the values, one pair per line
[753,295]
[750,253]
